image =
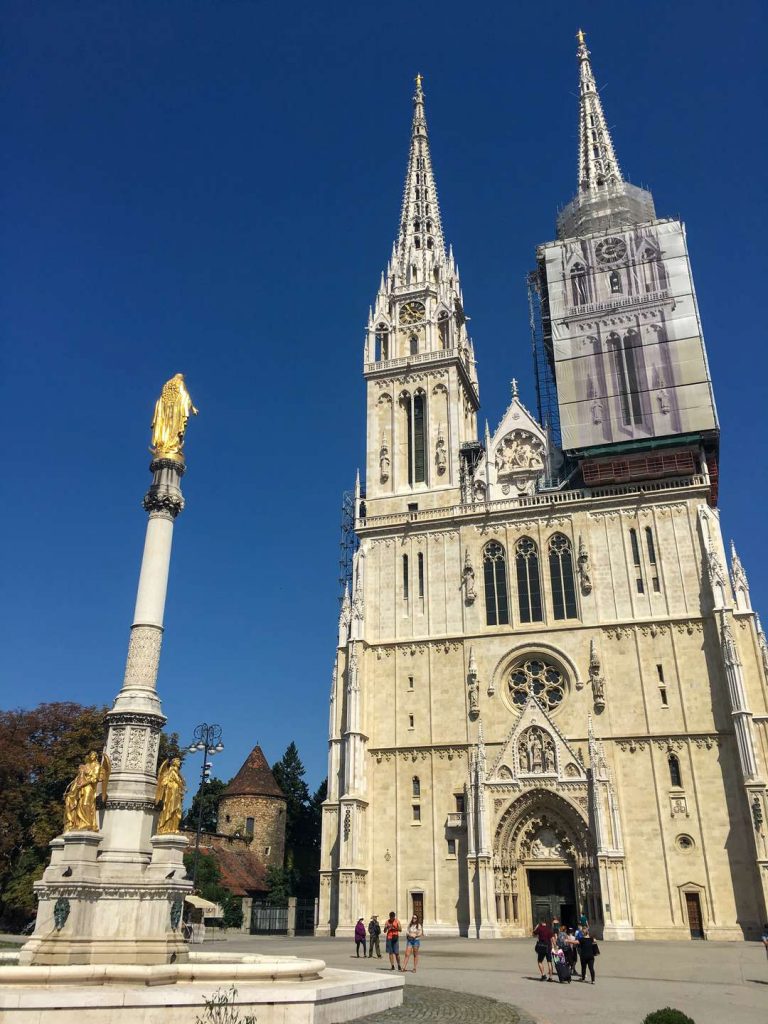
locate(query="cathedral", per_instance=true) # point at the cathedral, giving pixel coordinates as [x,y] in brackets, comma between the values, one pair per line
[550,692]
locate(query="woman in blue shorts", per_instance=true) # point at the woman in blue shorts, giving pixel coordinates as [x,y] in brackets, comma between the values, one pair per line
[414,933]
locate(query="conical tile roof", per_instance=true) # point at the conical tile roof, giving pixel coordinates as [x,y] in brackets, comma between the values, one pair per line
[254,778]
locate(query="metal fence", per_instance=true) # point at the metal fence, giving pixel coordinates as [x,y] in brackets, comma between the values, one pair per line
[268,920]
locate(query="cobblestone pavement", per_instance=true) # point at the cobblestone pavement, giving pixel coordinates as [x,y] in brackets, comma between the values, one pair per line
[710,981]
[442,1007]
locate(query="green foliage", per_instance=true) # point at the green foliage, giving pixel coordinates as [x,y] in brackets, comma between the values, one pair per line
[40,750]
[303,822]
[281,883]
[233,911]
[221,1008]
[668,1016]
[208,876]
[210,796]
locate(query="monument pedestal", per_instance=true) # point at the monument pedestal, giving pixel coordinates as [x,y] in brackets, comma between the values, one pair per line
[94,913]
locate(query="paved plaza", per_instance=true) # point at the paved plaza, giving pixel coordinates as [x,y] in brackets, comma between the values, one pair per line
[712,982]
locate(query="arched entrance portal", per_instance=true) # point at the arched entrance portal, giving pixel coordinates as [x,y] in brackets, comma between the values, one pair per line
[544,863]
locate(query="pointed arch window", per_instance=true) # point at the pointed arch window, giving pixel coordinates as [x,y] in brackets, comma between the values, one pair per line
[443,331]
[625,368]
[381,346]
[528,580]
[415,409]
[675,775]
[579,284]
[614,279]
[495,579]
[416,785]
[413,343]
[417,242]
[561,577]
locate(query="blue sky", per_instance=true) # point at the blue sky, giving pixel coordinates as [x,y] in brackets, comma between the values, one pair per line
[214,187]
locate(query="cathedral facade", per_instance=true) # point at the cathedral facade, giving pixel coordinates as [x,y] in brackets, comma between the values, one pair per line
[550,693]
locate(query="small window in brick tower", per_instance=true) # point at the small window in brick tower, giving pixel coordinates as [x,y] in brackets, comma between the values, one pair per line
[249,826]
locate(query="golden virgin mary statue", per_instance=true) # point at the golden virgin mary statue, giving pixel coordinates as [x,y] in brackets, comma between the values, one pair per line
[169,423]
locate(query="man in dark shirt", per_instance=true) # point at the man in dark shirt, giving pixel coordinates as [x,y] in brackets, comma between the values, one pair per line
[543,948]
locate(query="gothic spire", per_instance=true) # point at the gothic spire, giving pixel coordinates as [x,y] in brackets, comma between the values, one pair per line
[420,240]
[603,200]
[598,165]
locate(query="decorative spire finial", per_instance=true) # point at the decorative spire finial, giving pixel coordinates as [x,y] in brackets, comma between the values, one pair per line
[420,241]
[598,166]
[513,382]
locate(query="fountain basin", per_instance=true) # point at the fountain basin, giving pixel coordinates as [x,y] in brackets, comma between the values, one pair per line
[276,990]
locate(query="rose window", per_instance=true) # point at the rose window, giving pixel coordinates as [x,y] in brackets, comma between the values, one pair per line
[537,677]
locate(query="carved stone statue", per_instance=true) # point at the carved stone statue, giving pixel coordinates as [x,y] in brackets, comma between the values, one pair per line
[549,755]
[384,459]
[169,423]
[169,792]
[80,795]
[468,579]
[582,566]
[440,456]
[537,751]
[598,683]
[473,687]
[523,756]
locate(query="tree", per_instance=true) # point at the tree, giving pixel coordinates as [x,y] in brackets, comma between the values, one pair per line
[303,822]
[40,750]
[289,775]
[210,796]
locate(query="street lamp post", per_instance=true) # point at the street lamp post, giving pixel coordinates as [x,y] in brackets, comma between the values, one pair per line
[208,739]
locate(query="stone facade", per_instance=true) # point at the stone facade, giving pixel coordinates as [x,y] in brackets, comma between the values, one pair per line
[267,815]
[548,698]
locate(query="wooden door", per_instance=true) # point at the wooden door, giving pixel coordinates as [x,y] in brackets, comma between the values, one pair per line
[693,906]
[418,906]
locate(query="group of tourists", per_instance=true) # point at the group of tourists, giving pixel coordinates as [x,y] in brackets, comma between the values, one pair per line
[414,933]
[562,947]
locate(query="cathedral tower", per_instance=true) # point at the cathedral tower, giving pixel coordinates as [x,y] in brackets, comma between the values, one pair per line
[419,362]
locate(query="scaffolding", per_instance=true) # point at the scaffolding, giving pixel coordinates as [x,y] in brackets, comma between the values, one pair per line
[348,543]
[543,357]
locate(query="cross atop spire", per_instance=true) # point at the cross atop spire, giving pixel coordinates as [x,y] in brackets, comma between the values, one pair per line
[420,240]
[598,166]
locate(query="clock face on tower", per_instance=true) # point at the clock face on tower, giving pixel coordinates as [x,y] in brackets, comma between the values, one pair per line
[412,313]
[611,250]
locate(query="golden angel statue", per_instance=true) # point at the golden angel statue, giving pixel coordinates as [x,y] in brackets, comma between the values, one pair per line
[80,795]
[169,792]
[172,410]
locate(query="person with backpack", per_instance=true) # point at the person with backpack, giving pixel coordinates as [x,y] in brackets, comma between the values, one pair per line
[374,931]
[392,929]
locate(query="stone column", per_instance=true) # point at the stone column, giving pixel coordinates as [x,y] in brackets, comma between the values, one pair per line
[135,719]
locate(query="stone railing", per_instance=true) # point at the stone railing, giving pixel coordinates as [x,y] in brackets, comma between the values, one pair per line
[546,499]
[455,819]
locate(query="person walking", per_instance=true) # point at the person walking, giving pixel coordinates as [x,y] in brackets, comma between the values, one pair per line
[414,933]
[360,936]
[374,931]
[392,929]
[765,937]
[587,952]
[543,948]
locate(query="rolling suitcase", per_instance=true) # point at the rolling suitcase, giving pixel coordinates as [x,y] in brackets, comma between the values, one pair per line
[563,970]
